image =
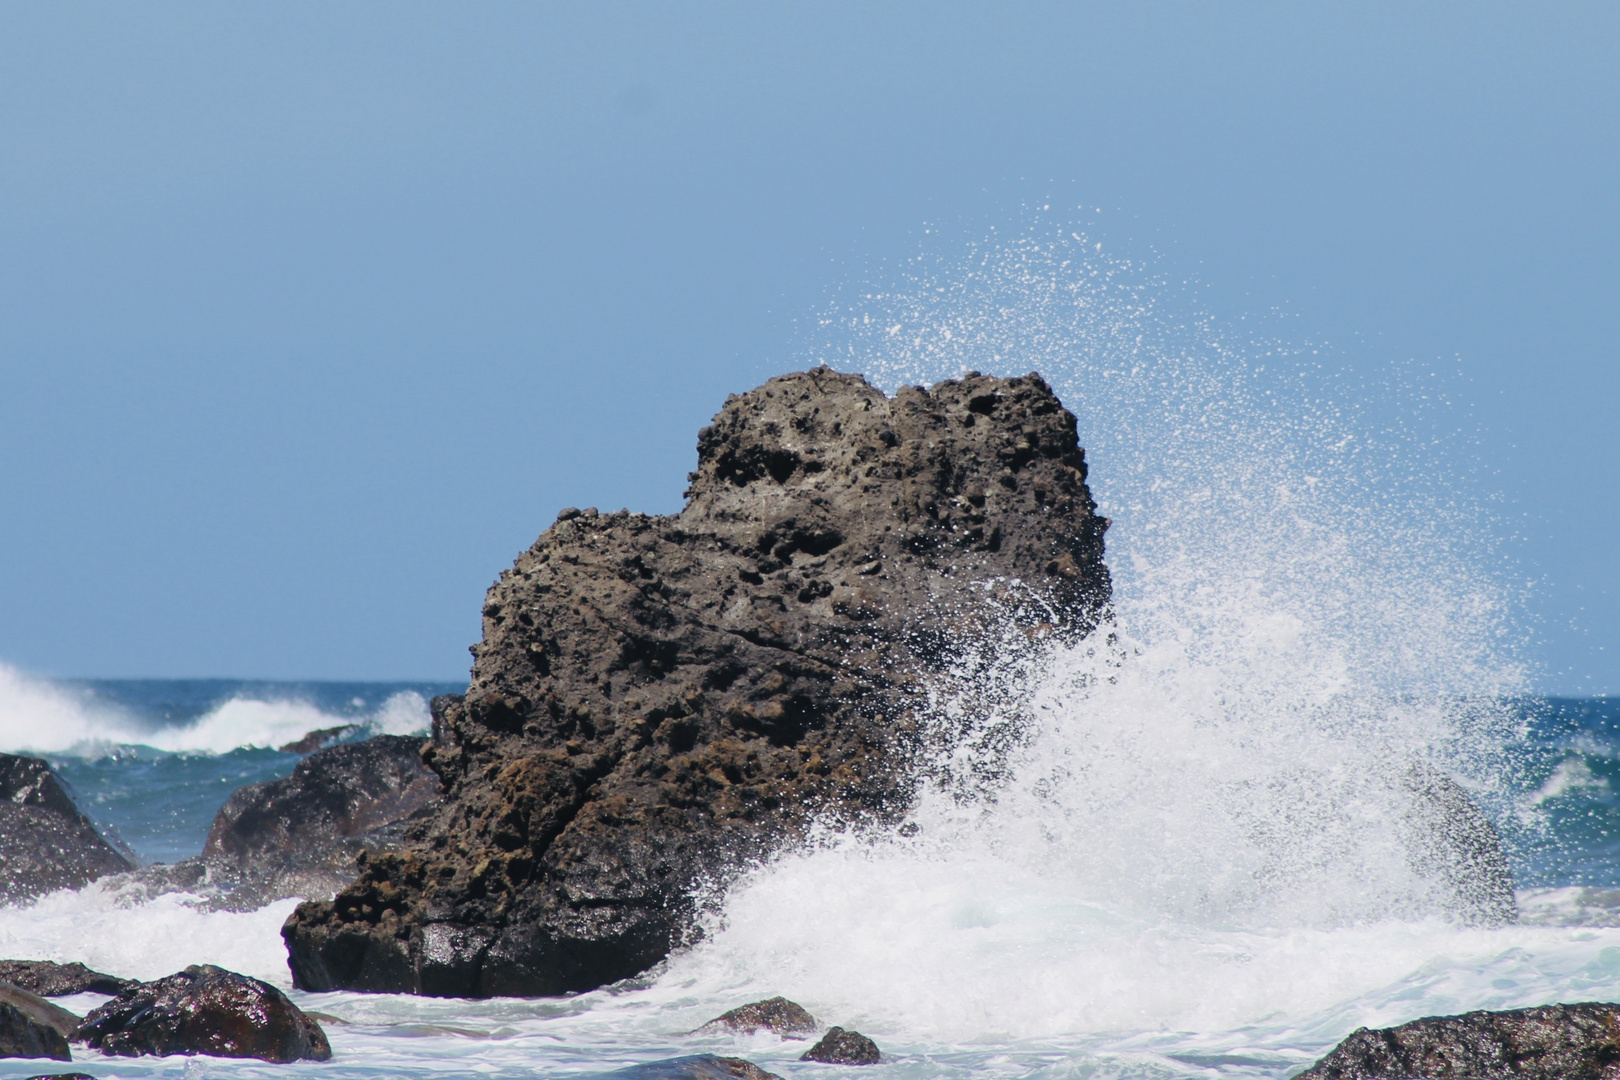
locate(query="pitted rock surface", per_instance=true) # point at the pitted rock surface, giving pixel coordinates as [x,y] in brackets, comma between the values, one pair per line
[205,1010]
[46,841]
[658,699]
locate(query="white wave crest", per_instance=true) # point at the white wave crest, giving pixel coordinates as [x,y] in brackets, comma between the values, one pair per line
[41,717]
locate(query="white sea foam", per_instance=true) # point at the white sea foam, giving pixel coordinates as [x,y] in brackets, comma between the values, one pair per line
[145,938]
[1201,826]
[43,717]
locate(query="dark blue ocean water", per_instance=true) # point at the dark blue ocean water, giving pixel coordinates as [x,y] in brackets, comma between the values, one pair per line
[161,803]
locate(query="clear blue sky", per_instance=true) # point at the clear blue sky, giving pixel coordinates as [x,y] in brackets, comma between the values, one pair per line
[311,316]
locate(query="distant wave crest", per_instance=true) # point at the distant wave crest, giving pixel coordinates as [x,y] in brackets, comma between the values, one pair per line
[47,718]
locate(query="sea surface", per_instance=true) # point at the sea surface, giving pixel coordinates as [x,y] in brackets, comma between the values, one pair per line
[959,959]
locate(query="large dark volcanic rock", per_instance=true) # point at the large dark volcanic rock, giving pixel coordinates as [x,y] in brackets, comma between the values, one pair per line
[1553,1042]
[46,841]
[205,1010]
[656,699]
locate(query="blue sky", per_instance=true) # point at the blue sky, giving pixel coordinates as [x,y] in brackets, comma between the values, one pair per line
[312,316]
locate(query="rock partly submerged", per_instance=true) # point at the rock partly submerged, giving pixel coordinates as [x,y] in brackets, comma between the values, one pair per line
[1552,1042]
[205,1010]
[840,1047]
[303,835]
[658,699]
[777,1015]
[46,841]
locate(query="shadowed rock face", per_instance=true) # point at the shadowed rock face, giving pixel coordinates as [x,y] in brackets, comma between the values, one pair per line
[1553,1042]
[657,699]
[307,829]
[205,1010]
[46,842]
[22,1036]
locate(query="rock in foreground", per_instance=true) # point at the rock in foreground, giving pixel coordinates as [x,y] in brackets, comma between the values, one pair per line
[777,1014]
[696,1067]
[22,1036]
[1553,1042]
[658,699]
[205,1010]
[46,841]
[840,1047]
[37,1009]
[55,980]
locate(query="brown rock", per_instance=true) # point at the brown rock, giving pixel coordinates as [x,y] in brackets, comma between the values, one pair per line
[205,1010]
[776,1014]
[46,841]
[840,1047]
[1552,1042]
[658,699]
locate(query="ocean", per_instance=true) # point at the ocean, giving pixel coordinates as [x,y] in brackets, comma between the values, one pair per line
[961,957]
[1175,849]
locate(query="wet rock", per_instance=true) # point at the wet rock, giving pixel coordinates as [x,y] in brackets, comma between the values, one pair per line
[205,1010]
[307,829]
[56,980]
[46,841]
[37,1009]
[21,1036]
[696,1067]
[657,700]
[1455,846]
[840,1047]
[776,1014]
[62,1076]
[303,835]
[1552,1042]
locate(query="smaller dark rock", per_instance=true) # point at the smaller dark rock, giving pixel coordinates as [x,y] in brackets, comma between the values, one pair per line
[38,1009]
[61,1076]
[696,1067]
[54,980]
[776,1014]
[205,1010]
[46,841]
[314,740]
[21,1036]
[840,1047]
[1551,1042]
